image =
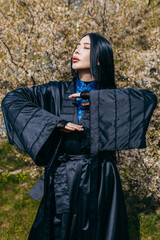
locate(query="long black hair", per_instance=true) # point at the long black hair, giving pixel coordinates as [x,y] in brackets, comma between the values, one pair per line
[101,51]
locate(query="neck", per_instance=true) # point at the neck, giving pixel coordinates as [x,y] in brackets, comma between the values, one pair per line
[85,76]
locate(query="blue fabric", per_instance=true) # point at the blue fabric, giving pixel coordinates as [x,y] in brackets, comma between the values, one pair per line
[81,86]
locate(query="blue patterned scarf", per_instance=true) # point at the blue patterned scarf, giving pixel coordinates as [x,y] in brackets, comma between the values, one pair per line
[81,86]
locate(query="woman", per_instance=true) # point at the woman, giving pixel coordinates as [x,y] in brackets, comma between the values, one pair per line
[73,130]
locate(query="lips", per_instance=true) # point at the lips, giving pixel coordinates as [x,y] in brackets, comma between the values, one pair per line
[75,59]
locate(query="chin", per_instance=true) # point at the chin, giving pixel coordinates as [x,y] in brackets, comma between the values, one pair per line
[75,67]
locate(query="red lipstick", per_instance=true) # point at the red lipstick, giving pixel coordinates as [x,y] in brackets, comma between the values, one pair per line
[75,59]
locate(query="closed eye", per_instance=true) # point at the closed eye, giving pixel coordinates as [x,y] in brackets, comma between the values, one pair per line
[78,44]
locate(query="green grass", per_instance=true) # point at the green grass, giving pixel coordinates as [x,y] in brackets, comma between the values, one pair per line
[18,209]
[143,225]
[150,226]
[8,161]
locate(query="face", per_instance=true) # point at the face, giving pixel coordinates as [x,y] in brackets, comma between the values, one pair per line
[81,55]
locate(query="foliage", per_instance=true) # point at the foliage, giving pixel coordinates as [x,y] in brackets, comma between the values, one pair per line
[17,208]
[149,226]
[37,41]
[8,163]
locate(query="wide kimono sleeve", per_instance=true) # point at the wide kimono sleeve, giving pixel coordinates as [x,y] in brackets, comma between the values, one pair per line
[31,116]
[119,118]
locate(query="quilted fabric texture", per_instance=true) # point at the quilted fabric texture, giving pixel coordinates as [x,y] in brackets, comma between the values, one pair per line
[120,118]
[31,116]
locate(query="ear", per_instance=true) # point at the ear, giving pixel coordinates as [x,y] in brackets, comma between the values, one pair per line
[98,62]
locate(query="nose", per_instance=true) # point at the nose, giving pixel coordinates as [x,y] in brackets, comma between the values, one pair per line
[77,50]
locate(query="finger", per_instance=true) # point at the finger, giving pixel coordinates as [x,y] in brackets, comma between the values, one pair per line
[78,127]
[74,127]
[69,124]
[74,95]
[85,103]
[69,128]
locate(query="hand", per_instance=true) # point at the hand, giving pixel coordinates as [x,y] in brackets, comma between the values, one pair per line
[77,95]
[69,127]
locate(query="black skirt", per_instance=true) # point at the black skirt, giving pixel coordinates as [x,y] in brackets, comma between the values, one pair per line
[74,197]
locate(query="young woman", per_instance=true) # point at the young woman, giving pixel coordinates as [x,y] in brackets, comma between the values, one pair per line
[73,130]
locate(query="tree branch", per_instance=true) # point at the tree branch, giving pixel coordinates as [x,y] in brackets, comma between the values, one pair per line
[29,36]
[149,2]
[14,63]
[3,14]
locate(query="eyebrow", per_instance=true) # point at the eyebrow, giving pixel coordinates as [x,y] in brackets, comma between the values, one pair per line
[84,43]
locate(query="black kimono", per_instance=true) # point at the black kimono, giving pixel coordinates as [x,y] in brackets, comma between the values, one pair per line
[82,197]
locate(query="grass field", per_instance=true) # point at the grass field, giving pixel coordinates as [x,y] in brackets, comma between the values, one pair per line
[17,210]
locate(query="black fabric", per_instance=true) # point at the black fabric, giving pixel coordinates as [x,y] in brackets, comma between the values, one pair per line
[88,82]
[75,143]
[84,94]
[120,118]
[38,190]
[62,124]
[76,196]
[31,116]
[82,192]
